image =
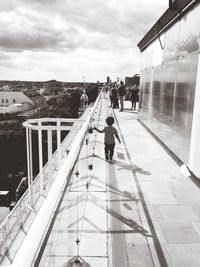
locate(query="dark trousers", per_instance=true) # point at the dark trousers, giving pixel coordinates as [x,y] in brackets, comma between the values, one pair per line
[133,101]
[111,101]
[115,102]
[109,150]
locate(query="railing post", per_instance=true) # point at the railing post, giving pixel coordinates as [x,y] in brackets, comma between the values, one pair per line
[28,163]
[40,158]
[5,235]
[49,135]
[31,167]
[58,142]
[28,251]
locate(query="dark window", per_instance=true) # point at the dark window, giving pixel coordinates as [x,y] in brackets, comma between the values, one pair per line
[6,100]
[2,100]
[14,101]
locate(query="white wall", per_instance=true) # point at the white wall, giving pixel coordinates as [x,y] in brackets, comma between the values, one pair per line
[19,97]
[194,159]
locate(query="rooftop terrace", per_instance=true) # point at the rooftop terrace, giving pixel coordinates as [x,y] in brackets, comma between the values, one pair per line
[138,211]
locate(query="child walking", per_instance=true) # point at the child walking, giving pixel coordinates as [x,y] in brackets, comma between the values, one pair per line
[109,138]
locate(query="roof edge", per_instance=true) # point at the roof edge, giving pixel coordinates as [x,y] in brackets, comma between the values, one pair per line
[175,11]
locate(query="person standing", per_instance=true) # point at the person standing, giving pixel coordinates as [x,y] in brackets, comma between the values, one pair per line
[109,138]
[134,96]
[117,98]
[111,97]
[114,96]
[121,92]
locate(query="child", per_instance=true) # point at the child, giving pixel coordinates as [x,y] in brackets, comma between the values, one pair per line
[109,138]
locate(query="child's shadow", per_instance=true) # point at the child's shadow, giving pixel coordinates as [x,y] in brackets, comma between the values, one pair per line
[131,167]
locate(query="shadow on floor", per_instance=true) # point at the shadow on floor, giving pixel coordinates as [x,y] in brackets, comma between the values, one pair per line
[131,167]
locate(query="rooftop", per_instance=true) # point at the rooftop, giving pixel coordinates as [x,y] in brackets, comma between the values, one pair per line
[138,211]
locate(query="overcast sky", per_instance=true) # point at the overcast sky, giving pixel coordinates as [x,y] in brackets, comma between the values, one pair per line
[67,40]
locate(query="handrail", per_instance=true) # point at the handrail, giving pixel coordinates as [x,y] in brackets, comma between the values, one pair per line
[32,243]
[29,122]
[15,221]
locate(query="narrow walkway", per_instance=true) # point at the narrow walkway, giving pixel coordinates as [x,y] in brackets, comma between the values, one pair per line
[139,211]
[171,202]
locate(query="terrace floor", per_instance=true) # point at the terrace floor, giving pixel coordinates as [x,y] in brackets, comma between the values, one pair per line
[138,211]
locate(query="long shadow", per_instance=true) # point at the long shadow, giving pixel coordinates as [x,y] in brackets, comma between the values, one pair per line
[131,167]
[93,142]
[116,191]
[87,157]
[156,240]
[136,228]
[128,167]
[127,195]
[73,202]
[129,222]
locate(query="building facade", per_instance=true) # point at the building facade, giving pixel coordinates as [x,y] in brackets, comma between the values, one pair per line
[170,81]
[8,98]
[130,81]
[11,102]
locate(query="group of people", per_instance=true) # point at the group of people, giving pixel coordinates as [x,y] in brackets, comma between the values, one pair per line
[118,93]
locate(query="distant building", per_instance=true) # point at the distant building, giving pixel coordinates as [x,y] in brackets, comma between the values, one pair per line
[8,98]
[14,101]
[130,81]
[36,98]
[108,79]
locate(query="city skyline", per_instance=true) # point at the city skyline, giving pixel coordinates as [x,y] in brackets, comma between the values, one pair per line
[67,40]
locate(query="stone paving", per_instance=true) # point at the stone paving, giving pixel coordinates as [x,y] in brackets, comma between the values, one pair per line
[138,211]
[173,201]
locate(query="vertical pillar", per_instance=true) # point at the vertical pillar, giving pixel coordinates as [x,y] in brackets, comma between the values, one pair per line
[49,135]
[40,158]
[58,143]
[31,167]
[28,164]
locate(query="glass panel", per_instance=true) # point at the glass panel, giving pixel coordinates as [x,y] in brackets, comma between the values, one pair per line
[189,40]
[156,91]
[171,43]
[142,82]
[146,91]
[167,95]
[184,94]
[173,85]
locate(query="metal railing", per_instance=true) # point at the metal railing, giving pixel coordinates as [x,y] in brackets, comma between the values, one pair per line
[39,202]
[37,189]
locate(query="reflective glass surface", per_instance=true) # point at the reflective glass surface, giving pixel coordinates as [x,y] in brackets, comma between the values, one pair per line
[156,91]
[145,91]
[168,85]
[184,94]
[168,98]
[189,38]
[171,43]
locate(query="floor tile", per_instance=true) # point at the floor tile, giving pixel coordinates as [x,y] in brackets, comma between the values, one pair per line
[180,233]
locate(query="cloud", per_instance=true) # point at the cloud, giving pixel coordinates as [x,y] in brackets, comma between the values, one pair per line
[60,24]
[35,33]
[81,33]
